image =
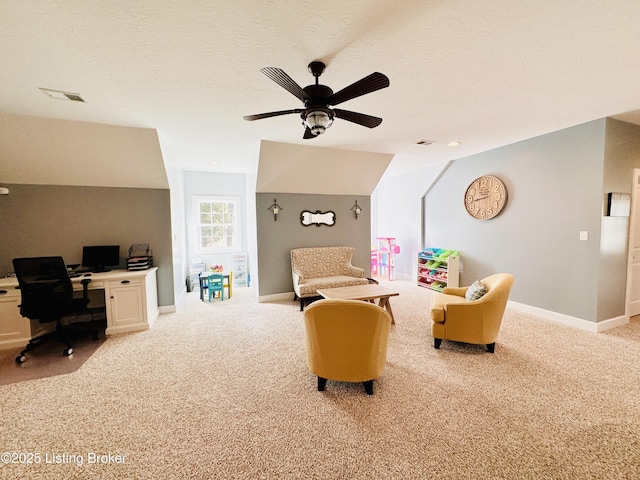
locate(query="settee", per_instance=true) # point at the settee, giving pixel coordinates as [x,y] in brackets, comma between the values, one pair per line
[314,268]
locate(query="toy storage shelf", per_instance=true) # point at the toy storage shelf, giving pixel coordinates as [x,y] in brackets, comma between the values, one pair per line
[240,273]
[438,268]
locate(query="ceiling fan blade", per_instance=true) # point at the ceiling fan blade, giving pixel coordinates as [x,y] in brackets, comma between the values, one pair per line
[285,81]
[368,84]
[359,118]
[307,134]
[259,116]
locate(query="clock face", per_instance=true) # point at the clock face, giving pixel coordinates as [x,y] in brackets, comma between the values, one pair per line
[485,197]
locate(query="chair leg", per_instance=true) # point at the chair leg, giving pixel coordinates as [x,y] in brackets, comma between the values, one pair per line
[368,387]
[491,347]
[437,342]
[301,304]
[204,285]
[61,335]
[322,382]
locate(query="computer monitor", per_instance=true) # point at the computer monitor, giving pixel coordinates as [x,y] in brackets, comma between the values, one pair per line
[98,257]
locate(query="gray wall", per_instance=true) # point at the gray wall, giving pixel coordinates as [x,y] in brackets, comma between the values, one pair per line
[58,220]
[554,185]
[276,238]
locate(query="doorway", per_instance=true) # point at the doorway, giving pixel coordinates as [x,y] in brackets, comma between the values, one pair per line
[633,263]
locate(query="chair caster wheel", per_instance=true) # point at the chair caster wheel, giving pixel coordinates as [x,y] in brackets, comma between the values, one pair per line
[21,358]
[67,352]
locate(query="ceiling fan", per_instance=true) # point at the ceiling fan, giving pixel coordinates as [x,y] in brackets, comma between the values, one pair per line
[317,114]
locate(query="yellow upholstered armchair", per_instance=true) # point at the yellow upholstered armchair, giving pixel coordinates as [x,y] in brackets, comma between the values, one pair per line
[346,341]
[458,318]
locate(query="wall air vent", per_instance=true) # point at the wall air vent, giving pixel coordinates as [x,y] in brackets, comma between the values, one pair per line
[424,142]
[60,95]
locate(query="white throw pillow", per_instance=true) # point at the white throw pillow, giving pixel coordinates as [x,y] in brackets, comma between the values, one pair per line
[475,291]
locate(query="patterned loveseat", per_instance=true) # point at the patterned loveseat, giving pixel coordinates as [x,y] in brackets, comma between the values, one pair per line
[323,267]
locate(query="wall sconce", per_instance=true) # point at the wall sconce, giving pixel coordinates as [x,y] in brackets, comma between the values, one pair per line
[356,209]
[275,209]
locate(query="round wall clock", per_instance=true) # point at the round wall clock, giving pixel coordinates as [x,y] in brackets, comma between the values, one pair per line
[485,197]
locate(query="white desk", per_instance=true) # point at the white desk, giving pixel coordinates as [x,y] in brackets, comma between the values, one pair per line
[131,301]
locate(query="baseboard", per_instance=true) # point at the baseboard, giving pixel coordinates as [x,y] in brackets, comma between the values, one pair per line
[406,278]
[276,297]
[14,343]
[167,309]
[402,277]
[610,323]
[596,327]
[134,327]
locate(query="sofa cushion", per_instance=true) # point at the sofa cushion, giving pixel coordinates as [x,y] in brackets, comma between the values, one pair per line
[475,291]
[309,287]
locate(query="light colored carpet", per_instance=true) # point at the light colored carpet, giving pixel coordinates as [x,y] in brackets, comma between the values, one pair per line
[222,390]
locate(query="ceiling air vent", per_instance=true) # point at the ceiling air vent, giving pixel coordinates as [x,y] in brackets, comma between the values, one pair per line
[424,142]
[60,95]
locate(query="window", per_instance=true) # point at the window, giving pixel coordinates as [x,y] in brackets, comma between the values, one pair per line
[218,223]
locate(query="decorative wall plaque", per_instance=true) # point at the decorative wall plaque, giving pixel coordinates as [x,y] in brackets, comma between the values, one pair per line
[317,218]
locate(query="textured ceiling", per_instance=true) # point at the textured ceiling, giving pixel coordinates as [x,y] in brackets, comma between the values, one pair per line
[486,73]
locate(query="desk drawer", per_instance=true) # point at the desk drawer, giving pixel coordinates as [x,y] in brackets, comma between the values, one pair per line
[126,281]
[93,285]
[10,292]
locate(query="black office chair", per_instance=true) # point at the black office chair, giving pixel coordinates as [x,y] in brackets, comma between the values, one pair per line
[47,296]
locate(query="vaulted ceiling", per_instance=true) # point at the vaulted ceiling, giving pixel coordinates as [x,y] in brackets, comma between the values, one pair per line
[484,73]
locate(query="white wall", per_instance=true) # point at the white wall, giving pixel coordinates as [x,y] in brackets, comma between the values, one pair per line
[397,212]
[290,168]
[252,234]
[48,151]
[223,184]
[178,232]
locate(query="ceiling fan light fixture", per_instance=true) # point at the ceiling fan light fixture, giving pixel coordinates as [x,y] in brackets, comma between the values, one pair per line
[317,114]
[318,120]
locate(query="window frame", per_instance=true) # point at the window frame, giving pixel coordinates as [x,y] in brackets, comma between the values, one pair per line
[237,236]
